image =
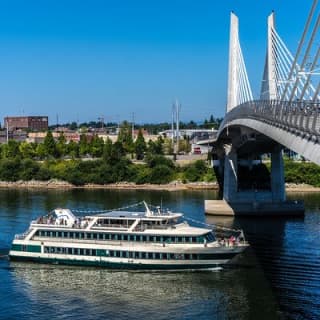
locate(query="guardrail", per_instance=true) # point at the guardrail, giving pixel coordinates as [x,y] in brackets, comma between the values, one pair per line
[299,117]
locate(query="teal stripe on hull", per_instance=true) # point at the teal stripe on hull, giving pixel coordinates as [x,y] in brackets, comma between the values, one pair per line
[113,265]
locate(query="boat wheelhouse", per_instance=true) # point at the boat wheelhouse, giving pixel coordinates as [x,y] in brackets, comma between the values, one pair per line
[123,239]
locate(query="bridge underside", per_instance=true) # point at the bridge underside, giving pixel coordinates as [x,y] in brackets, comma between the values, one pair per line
[249,186]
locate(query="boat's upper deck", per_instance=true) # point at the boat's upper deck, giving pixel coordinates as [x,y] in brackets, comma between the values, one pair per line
[129,221]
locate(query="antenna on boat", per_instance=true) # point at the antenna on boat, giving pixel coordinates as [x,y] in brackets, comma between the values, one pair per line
[149,213]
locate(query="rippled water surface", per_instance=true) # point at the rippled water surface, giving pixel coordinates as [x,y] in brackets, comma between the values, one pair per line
[277,278]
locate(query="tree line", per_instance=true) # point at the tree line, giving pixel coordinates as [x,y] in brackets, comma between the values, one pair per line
[153,128]
[109,162]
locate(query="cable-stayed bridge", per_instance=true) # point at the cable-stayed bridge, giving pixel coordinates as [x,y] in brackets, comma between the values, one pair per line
[286,114]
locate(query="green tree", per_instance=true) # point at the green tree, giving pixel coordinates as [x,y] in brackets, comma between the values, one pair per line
[140,146]
[107,150]
[41,151]
[72,149]
[11,149]
[155,160]
[83,145]
[161,174]
[26,150]
[96,146]
[61,145]
[50,145]
[9,169]
[113,153]
[195,171]
[125,137]
[28,169]
[156,147]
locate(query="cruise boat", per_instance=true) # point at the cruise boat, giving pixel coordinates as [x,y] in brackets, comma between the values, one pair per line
[124,240]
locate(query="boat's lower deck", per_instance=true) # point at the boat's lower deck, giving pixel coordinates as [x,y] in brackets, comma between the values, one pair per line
[112,258]
[132,264]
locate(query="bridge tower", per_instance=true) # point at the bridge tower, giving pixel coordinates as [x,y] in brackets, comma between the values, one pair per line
[241,145]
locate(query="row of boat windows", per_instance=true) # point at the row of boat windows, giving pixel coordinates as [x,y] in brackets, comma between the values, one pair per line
[125,237]
[127,254]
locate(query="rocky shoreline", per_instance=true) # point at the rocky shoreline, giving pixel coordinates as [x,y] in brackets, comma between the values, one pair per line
[173,186]
[58,184]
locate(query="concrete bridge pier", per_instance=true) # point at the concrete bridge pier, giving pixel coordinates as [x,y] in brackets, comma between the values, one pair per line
[253,201]
[230,181]
[277,176]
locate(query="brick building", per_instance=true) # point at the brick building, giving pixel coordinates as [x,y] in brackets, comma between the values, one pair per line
[33,123]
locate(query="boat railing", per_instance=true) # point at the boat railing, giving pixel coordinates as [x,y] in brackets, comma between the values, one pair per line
[153,227]
[21,236]
[111,225]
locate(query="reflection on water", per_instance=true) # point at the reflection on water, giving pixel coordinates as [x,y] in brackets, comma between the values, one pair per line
[95,293]
[287,250]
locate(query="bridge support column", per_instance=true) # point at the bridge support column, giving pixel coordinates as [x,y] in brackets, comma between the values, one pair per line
[277,176]
[230,183]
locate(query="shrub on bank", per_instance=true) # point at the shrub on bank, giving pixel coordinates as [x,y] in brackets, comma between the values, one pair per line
[302,172]
[198,171]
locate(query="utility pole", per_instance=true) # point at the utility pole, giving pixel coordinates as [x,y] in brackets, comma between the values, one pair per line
[178,107]
[7,131]
[101,120]
[57,118]
[132,129]
[175,121]
[172,124]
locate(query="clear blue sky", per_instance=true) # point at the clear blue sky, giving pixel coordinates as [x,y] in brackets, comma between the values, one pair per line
[86,59]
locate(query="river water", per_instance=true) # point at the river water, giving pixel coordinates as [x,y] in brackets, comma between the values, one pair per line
[277,278]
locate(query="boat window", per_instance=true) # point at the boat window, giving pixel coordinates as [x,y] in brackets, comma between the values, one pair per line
[209,237]
[200,239]
[94,236]
[187,256]
[157,255]
[158,238]
[125,237]
[179,239]
[173,239]
[194,239]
